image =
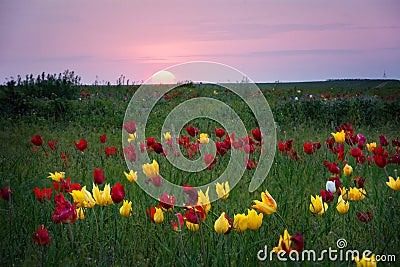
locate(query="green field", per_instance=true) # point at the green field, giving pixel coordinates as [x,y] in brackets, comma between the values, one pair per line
[303,112]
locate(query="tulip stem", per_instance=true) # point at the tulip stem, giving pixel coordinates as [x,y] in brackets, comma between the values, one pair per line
[202,245]
[281,219]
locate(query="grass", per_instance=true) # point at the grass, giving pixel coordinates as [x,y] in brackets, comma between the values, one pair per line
[105,238]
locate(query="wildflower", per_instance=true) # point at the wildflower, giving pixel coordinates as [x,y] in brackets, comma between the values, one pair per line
[222,190]
[219,132]
[131,176]
[56,176]
[64,212]
[130,127]
[223,224]
[37,140]
[254,220]
[267,205]
[394,184]
[347,170]
[204,138]
[288,243]
[371,146]
[151,170]
[240,222]
[317,205]
[102,197]
[339,136]
[167,202]
[203,200]
[117,193]
[82,145]
[41,236]
[99,178]
[103,138]
[126,208]
[167,135]
[41,195]
[342,205]
[365,261]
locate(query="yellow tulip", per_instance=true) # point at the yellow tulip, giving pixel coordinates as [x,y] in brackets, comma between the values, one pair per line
[203,139]
[131,176]
[126,208]
[267,205]
[132,137]
[240,222]
[222,225]
[347,170]
[342,205]
[371,146]
[102,197]
[222,190]
[192,226]
[339,136]
[80,214]
[394,184]
[57,176]
[317,205]
[203,200]
[285,240]
[365,262]
[158,216]
[356,193]
[151,170]
[83,198]
[254,220]
[167,136]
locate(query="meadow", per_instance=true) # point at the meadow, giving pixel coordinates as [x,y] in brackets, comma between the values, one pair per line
[40,228]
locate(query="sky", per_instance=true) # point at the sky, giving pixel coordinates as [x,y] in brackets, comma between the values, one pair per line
[285,40]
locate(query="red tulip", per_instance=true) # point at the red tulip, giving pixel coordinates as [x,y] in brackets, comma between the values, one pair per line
[52,144]
[248,149]
[150,141]
[103,138]
[167,202]
[98,176]
[298,242]
[175,226]
[281,146]
[5,193]
[219,132]
[327,196]
[330,142]
[37,140]
[316,145]
[192,194]
[117,193]
[308,148]
[130,127]
[82,145]
[332,167]
[110,151]
[396,143]
[192,131]
[66,186]
[41,195]
[380,156]
[158,148]
[184,141]
[64,211]
[221,149]
[288,144]
[41,236]
[257,134]
[195,215]
[210,161]
[364,216]
[383,140]
[355,152]
[129,153]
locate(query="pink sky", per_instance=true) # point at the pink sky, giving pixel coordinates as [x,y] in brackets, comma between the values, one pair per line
[267,40]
